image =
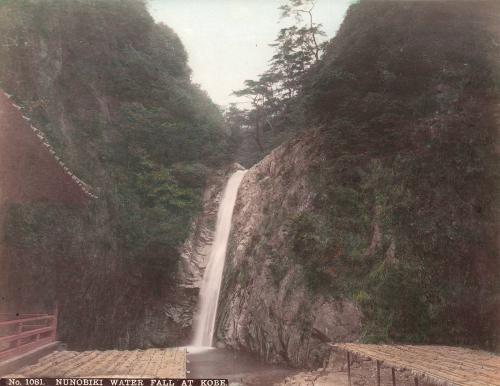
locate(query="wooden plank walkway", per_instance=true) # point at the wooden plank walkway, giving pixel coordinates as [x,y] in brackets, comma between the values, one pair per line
[150,363]
[440,365]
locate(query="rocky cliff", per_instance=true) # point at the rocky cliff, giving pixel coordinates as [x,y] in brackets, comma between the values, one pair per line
[266,305]
[194,259]
[380,224]
[196,248]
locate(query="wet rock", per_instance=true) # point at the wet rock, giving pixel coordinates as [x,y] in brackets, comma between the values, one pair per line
[194,255]
[196,249]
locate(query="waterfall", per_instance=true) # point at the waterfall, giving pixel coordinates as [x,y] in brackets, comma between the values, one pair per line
[212,279]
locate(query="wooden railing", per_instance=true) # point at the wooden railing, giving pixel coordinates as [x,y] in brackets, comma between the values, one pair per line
[20,334]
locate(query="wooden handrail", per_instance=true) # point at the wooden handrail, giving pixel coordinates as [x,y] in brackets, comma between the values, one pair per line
[24,335]
[26,326]
[13,352]
[17,321]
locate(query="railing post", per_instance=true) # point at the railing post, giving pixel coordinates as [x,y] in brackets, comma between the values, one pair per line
[378,373]
[54,322]
[19,330]
[24,334]
[348,368]
[393,377]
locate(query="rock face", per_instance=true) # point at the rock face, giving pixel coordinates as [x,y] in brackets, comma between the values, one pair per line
[173,322]
[196,248]
[265,305]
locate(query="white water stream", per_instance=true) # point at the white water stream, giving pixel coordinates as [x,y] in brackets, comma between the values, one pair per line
[212,279]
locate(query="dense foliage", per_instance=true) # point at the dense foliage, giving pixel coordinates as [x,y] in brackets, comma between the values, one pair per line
[408,191]
[112,91]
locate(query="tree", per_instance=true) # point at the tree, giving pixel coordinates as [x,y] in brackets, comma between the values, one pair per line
[298,8]
[294,56]
[273,94]
[261,94]
[235,119]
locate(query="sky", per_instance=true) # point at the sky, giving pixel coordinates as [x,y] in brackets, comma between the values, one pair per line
[228,40]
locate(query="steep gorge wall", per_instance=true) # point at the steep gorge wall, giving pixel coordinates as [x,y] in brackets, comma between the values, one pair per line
[111,89]
[382,223]
[194,256]
[266,305]
[196,249]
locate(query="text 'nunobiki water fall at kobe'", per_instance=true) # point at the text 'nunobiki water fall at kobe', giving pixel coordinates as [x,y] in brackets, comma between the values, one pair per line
[210,287]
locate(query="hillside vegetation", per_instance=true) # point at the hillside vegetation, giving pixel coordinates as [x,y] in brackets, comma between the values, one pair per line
[112,91]
[408,195]
[388,205]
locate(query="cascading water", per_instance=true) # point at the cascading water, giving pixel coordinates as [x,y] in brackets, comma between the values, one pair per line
[210,287]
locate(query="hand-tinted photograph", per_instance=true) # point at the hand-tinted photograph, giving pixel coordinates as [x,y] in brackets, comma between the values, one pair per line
[249,192]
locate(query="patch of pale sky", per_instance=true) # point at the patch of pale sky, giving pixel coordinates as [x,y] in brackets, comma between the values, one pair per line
[228,40]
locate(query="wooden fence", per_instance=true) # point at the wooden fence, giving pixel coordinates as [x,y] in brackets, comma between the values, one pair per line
[20,334]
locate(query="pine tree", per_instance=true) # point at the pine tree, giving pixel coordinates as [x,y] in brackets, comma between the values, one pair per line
[273,94]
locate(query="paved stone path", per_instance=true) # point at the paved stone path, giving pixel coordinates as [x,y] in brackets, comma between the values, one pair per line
[150,363]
